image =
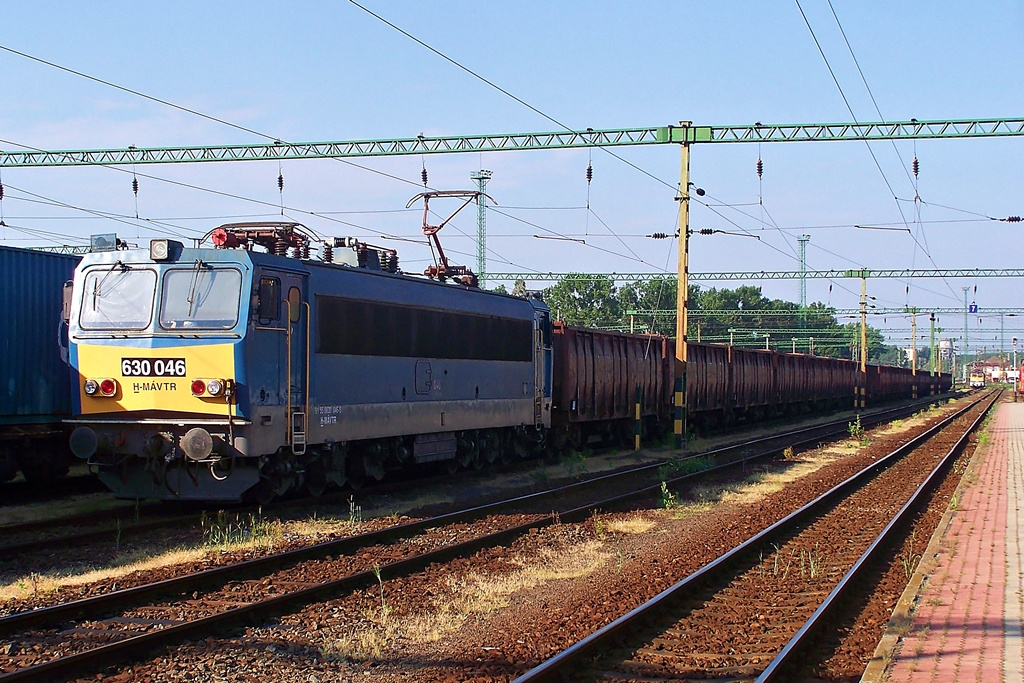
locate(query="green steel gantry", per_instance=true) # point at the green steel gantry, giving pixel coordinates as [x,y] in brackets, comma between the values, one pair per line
[765,275]
[683,133]
[665,312]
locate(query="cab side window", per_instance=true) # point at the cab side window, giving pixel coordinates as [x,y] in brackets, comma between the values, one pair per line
[268,307]
[294,304]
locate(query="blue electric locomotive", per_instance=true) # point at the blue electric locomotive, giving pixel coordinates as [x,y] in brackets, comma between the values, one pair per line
[230,372]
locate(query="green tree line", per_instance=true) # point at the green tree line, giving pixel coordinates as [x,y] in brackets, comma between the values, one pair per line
[590,301]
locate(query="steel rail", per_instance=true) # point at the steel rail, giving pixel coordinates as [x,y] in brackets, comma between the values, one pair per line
[120,651]
[800,641]
[571,658]
[18,492]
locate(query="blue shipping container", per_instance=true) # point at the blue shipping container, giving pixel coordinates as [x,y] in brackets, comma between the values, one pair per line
[34,380]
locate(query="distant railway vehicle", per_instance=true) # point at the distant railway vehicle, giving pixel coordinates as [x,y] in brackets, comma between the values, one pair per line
[231,372]
[34,380]
[977,380]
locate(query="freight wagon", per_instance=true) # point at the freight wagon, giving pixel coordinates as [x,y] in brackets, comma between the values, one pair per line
[597,376]
[34,379]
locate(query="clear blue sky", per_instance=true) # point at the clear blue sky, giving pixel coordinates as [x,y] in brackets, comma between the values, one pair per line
[316,71]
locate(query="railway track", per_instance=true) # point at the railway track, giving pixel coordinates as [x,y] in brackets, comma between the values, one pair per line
[118,525]
[21,492]
[755,612]
[86,635]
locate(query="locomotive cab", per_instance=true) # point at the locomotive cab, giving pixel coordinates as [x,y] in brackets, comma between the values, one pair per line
[155,338]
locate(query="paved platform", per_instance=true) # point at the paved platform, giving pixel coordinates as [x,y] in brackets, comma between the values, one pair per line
[962,616]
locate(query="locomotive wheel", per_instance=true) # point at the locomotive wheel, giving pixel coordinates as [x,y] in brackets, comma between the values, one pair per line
[316,480]
[263,493]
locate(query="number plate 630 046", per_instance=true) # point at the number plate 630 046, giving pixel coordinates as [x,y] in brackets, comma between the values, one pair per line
[153,367]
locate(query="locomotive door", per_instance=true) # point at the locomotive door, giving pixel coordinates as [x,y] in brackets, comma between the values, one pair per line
[297,354]
[282,331]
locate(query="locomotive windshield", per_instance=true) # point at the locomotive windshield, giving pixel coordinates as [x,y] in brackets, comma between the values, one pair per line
[118,298]
[201,297]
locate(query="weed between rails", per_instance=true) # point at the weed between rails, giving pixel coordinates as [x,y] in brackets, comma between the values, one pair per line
[224,530]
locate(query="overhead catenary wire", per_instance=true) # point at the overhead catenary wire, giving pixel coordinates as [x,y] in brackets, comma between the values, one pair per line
[474,74]
[874,158]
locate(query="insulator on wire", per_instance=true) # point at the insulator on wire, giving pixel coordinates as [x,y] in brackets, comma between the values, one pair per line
[423,175]
[706,231]
[1,191]
[760,167]
[280,182]
[135,186]
[916,166]
[590,173]
[1008,219]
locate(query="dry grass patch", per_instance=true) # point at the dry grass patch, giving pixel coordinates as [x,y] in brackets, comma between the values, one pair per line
[635,524]
[72,505]
[48,583]
[705,502]
[764,484]
[462,598]
[229,537]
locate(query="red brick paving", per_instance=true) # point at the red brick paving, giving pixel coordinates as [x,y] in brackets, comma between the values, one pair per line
[967,618]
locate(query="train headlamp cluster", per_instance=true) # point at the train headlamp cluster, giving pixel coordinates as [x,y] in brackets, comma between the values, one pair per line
[106,387]
[210,387]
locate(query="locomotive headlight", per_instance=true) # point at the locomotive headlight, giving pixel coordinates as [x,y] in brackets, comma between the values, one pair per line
[108,387]
[159,250]
[198,387]
[215,387]
[90,387]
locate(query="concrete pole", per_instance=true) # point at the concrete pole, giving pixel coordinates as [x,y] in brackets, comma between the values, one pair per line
[682,293]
